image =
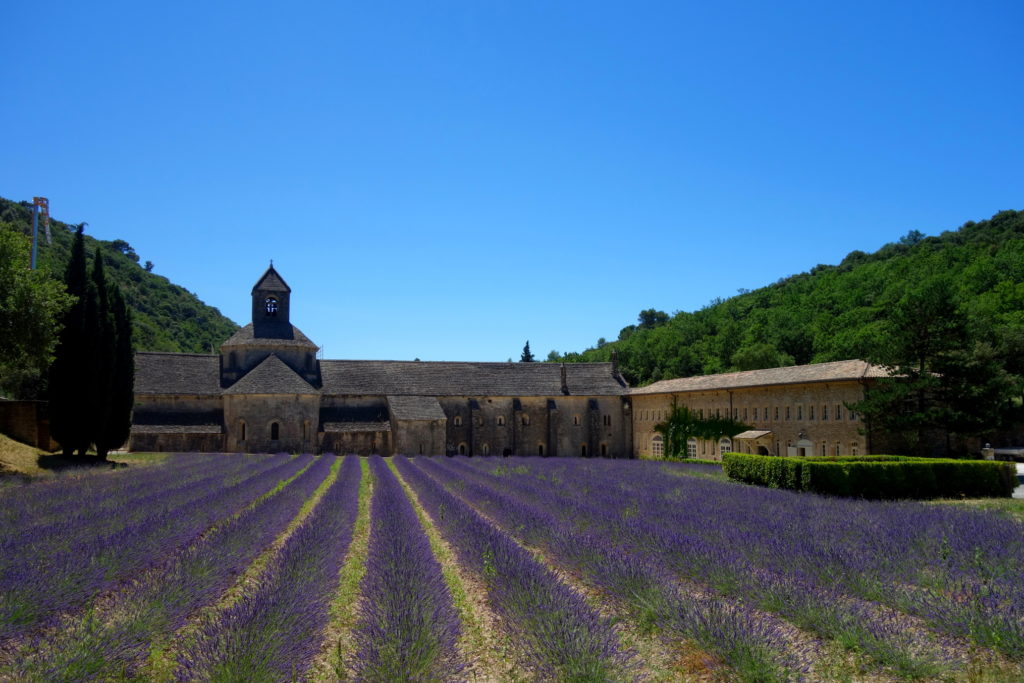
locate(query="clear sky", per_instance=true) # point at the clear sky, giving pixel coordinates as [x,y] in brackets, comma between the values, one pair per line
[448,179]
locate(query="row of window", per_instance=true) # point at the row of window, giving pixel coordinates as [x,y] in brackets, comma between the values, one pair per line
[838,413]
[500,420]
[725,445]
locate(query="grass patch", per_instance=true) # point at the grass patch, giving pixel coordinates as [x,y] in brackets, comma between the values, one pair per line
[1010,507]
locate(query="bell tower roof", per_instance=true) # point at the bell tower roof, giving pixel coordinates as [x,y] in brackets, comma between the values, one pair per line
[271,281]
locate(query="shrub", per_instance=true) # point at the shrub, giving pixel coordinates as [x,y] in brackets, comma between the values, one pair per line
[878,477]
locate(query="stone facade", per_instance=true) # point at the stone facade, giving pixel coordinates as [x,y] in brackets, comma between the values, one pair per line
[267,391]
[801,410]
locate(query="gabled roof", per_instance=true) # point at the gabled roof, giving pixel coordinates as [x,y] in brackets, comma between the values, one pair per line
[415,408]
[271,376]
[247,337]
[271,281]
[425,378]
[177,373]
[843,370]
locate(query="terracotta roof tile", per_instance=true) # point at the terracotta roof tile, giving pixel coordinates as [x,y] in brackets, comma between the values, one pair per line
[797,374]
[415,408]
[442,378]
[271,376]
[177,373]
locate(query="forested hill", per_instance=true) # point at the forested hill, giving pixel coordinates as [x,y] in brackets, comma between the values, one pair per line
[167,317]
[837,312]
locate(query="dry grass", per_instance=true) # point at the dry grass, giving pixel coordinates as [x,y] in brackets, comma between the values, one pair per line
[19,458]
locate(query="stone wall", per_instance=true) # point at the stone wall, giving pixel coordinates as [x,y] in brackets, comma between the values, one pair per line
[805,419]
[176,443]
[360,443]
[249,422]
[547,426]
[418,437]
[28,422]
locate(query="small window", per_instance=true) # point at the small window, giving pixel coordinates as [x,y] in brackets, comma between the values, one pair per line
[799,412]
[607,420]
[765,413]
[810,412]
[824,449]
[701,413]
[576,419]
[501,420]
[853,415]
[540,449]
[275,431]
[271,306]
[853,448]
[526,420]
[458,420]
[838,447]
[824,413]
[243,431]
[718,412]
[839,411]
[776,413]
[755,413]
[486,450]
[787,413]
[735,413]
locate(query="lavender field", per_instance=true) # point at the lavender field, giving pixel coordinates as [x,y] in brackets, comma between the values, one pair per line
[281,568]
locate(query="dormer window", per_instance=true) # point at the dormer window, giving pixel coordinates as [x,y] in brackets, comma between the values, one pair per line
[271,305]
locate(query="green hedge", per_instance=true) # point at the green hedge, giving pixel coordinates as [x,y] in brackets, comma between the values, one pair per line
[875,476]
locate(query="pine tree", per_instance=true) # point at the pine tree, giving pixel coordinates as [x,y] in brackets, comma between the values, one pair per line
[67,397]
[527,356]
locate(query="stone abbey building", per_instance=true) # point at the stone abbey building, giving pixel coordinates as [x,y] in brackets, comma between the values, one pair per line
[266,391]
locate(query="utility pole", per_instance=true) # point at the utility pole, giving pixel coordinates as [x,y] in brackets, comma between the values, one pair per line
[39,205]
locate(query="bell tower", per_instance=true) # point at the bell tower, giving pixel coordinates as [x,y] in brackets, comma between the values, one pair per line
[270,306]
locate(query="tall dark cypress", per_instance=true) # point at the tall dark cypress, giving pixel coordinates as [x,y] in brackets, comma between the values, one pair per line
[67,385]
[122,389]
[102,343]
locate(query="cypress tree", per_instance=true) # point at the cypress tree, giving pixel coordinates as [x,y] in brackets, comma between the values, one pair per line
[102,344]
[122,386]
[67,398]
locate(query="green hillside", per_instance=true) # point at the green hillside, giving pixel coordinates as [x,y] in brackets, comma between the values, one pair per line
[167,317]
[839,312]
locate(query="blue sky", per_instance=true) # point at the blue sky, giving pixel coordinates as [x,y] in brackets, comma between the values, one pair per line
[446,180]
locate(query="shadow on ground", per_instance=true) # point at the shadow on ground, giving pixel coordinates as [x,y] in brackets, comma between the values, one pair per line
[57,462]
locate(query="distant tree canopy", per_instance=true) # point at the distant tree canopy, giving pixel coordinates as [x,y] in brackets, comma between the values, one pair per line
[863,308]
[31,306]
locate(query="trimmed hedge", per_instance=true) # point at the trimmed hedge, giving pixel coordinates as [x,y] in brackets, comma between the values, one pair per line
[875,476]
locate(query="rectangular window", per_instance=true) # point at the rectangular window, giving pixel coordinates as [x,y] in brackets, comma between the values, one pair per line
[765,413]
[810,412]
[853,415]
[787,412]
[735,413]
[744,413]
[776,413]
[718,412]
[799,412]
[755,413]
[839,411]
[701,411]
[823,449]
[824,413]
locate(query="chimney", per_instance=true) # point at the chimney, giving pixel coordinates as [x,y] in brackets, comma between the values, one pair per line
[565,382]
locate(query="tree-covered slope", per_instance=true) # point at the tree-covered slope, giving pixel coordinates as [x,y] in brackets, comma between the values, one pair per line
[166,317]
[838,312]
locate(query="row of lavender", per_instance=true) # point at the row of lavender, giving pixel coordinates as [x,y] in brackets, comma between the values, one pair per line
[119,636]
[49,568]
[558,634]
[850,571]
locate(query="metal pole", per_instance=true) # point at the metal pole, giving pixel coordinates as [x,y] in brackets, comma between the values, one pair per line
[35,233]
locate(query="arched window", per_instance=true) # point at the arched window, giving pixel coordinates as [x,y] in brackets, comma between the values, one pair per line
[462,449]
[853,448]
[458,420]
[275,431]
[526,420]
[583,450]
[576,419]
[540,449]
[486,450]
[657,446]
[691,447]
[271,305]
[501,420]
[725,445]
